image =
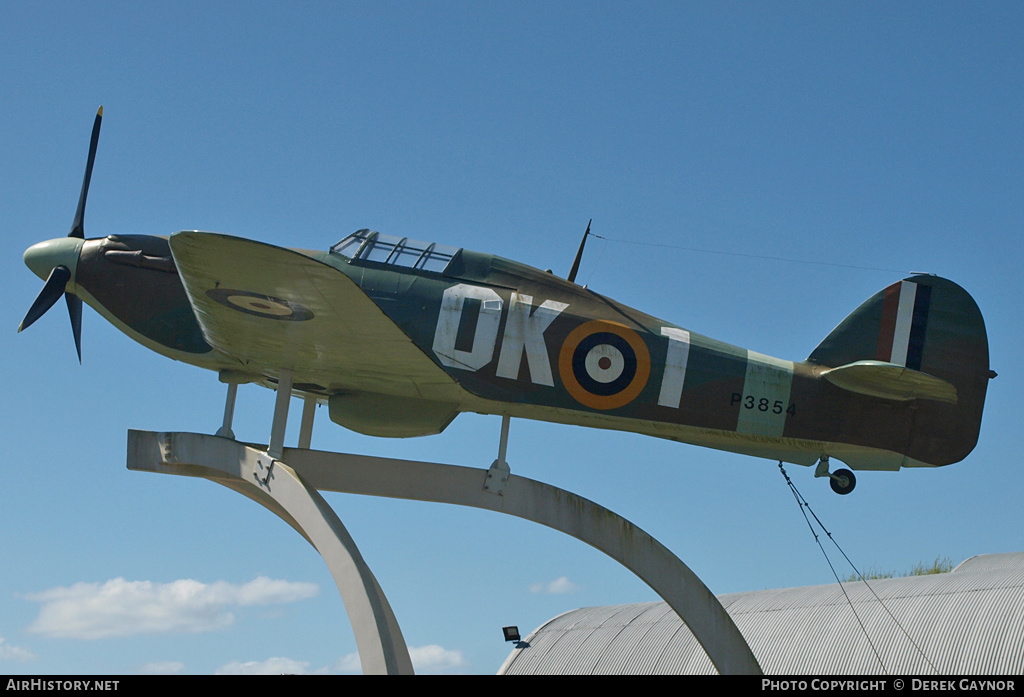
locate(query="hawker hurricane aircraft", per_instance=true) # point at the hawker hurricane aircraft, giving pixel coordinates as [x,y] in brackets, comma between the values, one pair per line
[398,337]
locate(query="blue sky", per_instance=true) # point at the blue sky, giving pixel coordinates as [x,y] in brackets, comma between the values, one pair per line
[861,140]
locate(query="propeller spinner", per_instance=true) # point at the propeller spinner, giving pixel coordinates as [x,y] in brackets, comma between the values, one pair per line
[56,260]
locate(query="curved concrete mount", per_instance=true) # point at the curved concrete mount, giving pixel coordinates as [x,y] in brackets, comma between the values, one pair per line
[290,491]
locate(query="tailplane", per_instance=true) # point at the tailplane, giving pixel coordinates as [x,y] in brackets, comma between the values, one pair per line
[921,339]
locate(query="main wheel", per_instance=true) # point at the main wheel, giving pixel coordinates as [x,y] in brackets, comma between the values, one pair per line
[842,481]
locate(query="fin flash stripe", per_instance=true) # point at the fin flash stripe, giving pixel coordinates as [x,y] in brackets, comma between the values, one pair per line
[905,308]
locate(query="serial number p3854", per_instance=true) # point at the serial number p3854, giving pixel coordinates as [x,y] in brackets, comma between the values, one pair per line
[764,404]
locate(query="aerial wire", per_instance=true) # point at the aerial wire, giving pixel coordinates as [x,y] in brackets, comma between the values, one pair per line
[747,255]
[598,262]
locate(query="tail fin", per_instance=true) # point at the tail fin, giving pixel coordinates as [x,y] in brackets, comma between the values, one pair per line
[920,339]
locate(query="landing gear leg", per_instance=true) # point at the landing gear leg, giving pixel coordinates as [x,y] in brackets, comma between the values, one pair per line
[842,480]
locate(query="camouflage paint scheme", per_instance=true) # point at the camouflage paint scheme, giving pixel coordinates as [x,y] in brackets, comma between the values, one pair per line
[400,351]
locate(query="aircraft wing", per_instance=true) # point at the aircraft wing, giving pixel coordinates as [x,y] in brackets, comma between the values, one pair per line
[272,308]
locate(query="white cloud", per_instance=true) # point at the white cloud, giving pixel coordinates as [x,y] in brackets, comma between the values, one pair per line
[557,587]
[271,666]
[120,608]
[349,663]
[425,659]
[432,658]
[14,653]
[162,668]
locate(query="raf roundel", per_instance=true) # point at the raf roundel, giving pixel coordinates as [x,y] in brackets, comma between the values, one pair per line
[604,365]
[260,305]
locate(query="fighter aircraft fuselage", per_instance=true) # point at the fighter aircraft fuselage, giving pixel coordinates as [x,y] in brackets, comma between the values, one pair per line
[399,337]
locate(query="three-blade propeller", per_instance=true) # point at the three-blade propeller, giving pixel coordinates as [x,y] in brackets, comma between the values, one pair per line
[60,275]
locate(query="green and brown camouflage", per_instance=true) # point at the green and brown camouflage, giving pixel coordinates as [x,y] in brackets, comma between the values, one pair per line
[398,337]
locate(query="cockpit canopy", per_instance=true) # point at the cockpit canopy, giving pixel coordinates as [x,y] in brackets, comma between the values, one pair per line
[369,245]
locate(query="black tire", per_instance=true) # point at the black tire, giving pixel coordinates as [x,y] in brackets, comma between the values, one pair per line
[842,481]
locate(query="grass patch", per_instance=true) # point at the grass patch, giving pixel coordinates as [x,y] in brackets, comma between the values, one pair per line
[941,565]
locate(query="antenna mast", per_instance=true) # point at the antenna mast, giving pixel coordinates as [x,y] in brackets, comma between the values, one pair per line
[579,255]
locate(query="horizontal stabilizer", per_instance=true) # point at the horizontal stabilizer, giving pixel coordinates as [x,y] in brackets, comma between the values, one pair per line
[890,381]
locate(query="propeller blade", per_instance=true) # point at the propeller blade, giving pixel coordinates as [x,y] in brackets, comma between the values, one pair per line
[51,292]
[75,312]
[78,226]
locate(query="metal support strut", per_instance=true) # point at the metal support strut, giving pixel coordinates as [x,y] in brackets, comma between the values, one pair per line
[229,412]
[499,472]
[277,429]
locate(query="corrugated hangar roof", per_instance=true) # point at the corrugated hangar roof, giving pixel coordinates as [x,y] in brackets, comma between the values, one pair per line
[969,621]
